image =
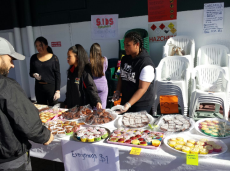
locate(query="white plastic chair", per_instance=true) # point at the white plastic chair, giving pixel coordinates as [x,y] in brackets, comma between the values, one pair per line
[184,42]
[209,81]
[174,72]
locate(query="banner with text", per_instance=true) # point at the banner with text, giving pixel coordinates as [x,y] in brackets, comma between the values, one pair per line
[104,26]
[213,17]
[161,10]
[162,31]
[79,156]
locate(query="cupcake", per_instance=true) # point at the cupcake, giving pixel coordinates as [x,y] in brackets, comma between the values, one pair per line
[208,132]
[121,140]
[200,143]
[138,136]
[121,136]
[214,134]
[199,146]
[128,141]
[209,148]
[191,141]
[185,149]
[146,131]
[97,137]
[203,151]
[141,139]
[211,143]
[215,121]
[159,134]
[217,148]
[133,138]
[158,138]
[97,127]
[90,128]
[156,143]
[178,147]
[113,139]
[180,142]
[203,129]
[211,127]
[102,129]
[194,150]
[143,143]
[135,142]
[180,139]
[79,135]
[172,139]
[90,138]
[116,131]
[104,134]
[172,143]
[149,141]
[83,138]
[137,133]
[190,145]
[126,137]
[204,140]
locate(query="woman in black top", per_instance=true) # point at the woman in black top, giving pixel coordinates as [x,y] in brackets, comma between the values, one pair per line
[45,68]
[80,89]
[137,76]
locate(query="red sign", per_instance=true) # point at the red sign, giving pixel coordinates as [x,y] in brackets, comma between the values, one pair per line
[161,10]
[55,44]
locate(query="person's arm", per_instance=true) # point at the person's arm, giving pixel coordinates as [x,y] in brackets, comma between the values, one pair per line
[31,67]
[57,74]
[106,63]
[91,89]
[119,84]
[24,115]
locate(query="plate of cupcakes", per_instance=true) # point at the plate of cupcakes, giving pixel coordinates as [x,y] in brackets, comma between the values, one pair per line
[195,144]
[91,134]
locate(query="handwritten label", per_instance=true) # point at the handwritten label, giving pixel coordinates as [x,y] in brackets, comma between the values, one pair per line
[82,156]
[192,159]
[169,104]
[135,151]
[213,17]
[104,26]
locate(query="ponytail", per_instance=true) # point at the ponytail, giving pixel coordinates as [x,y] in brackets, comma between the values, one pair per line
[49,49]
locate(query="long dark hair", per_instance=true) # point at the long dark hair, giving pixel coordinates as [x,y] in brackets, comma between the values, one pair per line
[96,60]
[82,58]
[136,38]
[44,41]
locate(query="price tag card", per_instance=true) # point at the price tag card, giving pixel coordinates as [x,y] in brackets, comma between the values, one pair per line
[135,151]
[192,159]
[79,156]
[169,104]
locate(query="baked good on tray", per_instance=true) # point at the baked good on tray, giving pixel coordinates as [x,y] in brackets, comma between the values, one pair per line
[176,123]
[135,120]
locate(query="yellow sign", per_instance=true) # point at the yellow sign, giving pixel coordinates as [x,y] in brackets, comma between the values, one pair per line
[171,25]
[169,104]
[135,151]
[173,30]
[192,159]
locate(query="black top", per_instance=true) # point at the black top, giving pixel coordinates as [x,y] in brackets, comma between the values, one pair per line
[81,91]
[19,121]
[49,70]
[130,73]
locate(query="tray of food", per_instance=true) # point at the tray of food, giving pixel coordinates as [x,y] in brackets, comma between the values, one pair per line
[91,134]
[77,112]
[61,128]
[141,138]
[195,144]
[213,127]
[101,117]
[50,113]
[41,107]
[135,120]
[176,123]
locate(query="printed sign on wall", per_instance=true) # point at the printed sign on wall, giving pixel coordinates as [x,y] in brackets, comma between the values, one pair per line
[56,44]
[162,31]
[213,17]
[104,26]
[161,10]
[79,156]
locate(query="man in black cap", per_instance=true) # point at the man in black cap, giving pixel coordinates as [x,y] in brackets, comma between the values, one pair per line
[19,119]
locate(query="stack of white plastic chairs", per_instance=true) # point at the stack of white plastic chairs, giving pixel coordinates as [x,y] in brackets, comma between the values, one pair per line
[209,85]
[184,42]
[172,77]
[215,54]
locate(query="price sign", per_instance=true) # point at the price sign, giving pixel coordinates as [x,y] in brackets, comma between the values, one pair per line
[169,104]
[79,156]
[135,151]
[192,159]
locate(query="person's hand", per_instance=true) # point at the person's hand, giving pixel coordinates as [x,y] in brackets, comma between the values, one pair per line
[116,96]
[66,106]
[125,109]
[57,95]
[99,106]
[50,140]
[37,76]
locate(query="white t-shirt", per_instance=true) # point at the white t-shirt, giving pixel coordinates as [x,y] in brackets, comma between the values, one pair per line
[147,74]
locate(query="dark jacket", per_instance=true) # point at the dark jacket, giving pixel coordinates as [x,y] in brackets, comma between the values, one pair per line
[130,73]
[81,91]
[19,121]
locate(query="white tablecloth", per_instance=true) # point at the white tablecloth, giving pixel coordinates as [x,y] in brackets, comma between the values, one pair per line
[162,159]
